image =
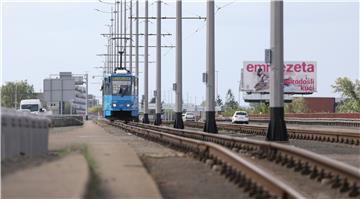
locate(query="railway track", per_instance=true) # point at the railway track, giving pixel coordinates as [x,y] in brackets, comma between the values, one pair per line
[252,179]
[315,121]
[339,176]
[303,134]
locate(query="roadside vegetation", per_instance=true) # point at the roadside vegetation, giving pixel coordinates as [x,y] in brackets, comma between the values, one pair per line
[13,92]
[350,90]
[93,187]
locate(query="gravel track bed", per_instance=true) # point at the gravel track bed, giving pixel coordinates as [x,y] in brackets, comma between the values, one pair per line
[181,172]
[349,154]
[176,174]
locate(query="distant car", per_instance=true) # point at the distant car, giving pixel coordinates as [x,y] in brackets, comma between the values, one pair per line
[188,116]
[33,105]
[240,117]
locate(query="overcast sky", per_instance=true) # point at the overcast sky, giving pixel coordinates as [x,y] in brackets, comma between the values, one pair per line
[43,38]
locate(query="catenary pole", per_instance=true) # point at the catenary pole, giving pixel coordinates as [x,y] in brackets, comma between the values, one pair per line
[277,128]
[158,64]
[178,88]
[87,94]
[210,123]
[146,65]
[130,40]
[113,44]
[137,52]
[120,34]
[124,35]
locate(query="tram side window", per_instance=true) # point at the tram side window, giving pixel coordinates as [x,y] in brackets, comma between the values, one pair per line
[121,87]
[107,87]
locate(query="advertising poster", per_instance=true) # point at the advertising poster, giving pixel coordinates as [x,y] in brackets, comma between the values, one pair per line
[299,77]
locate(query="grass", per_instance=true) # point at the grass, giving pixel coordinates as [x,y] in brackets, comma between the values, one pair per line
[93,186]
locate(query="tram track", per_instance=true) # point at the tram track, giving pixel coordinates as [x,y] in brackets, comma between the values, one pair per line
[252,179]
[339,176]
[318,167]
[293,133]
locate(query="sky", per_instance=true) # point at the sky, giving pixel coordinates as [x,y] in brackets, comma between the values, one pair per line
[39,38]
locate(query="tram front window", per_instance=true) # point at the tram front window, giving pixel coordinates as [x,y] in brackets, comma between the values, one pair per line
[121,86]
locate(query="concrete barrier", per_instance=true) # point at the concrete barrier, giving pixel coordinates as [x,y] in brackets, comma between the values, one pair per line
[65,120]
[23,134]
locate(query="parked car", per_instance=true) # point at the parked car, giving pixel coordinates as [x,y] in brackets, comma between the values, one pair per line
[240,117]
[188,116]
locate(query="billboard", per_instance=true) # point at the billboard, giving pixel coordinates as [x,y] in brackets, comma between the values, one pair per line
[299,77]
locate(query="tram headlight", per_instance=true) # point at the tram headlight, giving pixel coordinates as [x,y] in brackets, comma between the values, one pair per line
[128,105]
[114,105]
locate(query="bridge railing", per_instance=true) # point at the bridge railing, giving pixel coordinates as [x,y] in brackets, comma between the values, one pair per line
[23,134]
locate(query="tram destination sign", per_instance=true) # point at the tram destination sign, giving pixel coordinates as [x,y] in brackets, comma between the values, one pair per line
[299,77]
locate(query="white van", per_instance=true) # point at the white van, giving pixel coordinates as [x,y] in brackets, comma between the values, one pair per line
[33,105]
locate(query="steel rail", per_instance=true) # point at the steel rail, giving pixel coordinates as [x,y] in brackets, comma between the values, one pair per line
[341,175]
[303,134]
[242,172]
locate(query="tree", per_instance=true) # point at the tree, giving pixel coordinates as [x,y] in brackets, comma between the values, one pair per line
[349,90]
[219,101]
[296,106]
[230,100]
[96,109]
[230,105]
[22,90]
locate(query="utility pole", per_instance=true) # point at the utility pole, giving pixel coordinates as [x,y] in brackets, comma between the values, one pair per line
[118,31]
[217,85]
[113,48]
[131,43]
[124,35]
[277,128]
[146,66]
[15,95]
[109,51]
[137,53]
[87,93]
[158,64]
[179,124]
[210,123]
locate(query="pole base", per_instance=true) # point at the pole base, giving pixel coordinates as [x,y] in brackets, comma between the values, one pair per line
[146,119]
[210,123]
[178,123]
[158,119]
[277,128]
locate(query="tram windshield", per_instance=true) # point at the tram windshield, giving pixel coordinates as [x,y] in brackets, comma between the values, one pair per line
[121,85]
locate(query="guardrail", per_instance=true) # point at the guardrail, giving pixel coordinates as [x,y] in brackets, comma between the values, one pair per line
[23,134]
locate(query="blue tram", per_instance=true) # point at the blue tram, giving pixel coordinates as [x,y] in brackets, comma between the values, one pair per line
[119,97]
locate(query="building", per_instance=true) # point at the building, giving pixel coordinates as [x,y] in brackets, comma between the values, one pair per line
[66,93]
[320,104]
[92,101]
